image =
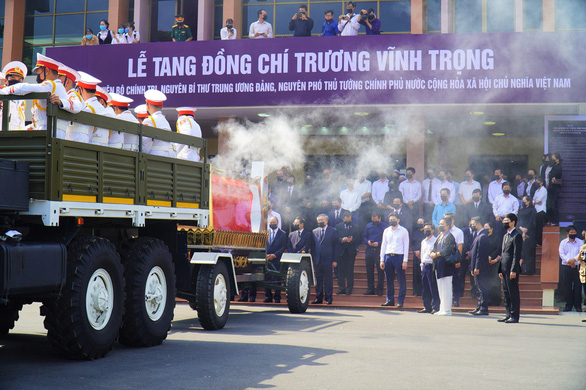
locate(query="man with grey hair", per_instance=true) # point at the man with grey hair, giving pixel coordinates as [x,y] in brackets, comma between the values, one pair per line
[325,254]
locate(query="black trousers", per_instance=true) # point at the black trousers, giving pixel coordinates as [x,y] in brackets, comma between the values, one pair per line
[346,273]
[417,281]
[481,281]
[512,297]
[553,193]
[540,220]
[324,279]
[573,291]
[372,261]
[268,292]
[459,280]
[431,300]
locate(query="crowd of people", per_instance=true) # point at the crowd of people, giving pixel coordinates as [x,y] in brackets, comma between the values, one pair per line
[453,228]
[75,92]
[126,34]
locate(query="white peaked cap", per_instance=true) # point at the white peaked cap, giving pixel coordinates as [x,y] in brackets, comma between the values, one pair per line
[15,67]
[119,100]
[68,72]
[141,111]
[101,92]
[154,97]
[186,110]
[46,62]
[87,81]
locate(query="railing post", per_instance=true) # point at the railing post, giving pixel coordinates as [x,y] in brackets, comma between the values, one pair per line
[5,111]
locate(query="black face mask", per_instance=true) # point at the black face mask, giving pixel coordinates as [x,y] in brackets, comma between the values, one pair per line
[347,223]
[376,222]
[497,177]
[476,199]
[13,81]
[427,233]
[349,11]
[444,198]
[441,178]
[473,228]
[396,206]
[420,226]
[529,177]
[506,192]
[441,229]
[430,175]
[229,26]
[467,177]
[506,225]
[279,178]
[295,227]
[39,80]
[572,236]
[273,226]
[370,17]
[321,224]
[393,223]
[409,176]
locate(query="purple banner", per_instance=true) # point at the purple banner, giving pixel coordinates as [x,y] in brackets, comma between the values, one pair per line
[384,69]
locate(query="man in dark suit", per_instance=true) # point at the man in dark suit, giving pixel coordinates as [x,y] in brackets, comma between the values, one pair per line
[349,237]
[478,208]
[335,215]
[479,265]
[299,239]
[404,214]
[469,236]
[276,245]
[510,268]
[532,186]
[324,254]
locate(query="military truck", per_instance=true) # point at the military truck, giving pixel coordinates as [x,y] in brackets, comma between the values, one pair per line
[92,233]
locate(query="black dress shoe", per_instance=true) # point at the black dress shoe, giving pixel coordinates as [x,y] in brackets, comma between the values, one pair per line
[579,309]
[434,311]
[511,321]
[399,306]
[474,311]
[277,300]
[340,292]
[329,302]
[584,320]
[456,303]
[243,299]
[388,303]
[369,292]
[348,292]
[252,299]
[504,319]
[424,311]
[380,293]
[480,313]
[316,302]
[268,300]
[567,309]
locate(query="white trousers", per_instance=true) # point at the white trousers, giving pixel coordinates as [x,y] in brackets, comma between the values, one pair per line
[444,288]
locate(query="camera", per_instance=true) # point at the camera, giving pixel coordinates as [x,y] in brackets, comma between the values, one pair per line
[300,15]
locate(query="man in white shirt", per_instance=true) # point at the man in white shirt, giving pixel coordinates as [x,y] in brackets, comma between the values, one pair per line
[467,187]
[349,24]
[443,178]
[430,188]
[411,189]
[272,213]
[379,189]
[261,28]
[228,32]
[495,187]
[540,201]
[430,294]
[569,251]
[394,255]
[505,203]
[364,187]
[351,200]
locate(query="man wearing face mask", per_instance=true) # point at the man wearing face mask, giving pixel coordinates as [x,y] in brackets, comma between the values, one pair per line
[369,20]
[228,32]
[276,245]
[495,188]
[540,201]
[443,178]
[467,187]
[48,81]
[404,213]
[261,28]
[411,190]
[391,195]
[479,265]
[569,251]
[349,24]
[477,207]
[444,207]
[15,72]
[372,238]
[325,254]
[430,294]
[394,256]
[300,238]
[300,23]
[349,237]
[416,238]
[379,189]
[510,268]
[531,183]
[181,32]
[74,102]
[505,203]
[86,85]
[431,187]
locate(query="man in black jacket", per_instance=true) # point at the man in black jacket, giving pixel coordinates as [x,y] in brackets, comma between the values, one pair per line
[349,237]
[300,238]
[300,23]
[479,265]
[510,268]
[478,208]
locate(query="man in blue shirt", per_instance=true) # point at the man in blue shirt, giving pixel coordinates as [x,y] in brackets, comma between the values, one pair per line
[330,27]
[444,207]
[373,237]
[370,22]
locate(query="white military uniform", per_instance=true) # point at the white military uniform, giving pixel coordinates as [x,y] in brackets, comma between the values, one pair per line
[188,126]
[99,136]
[130,140]
[156,146]
[16,116]
[74,102]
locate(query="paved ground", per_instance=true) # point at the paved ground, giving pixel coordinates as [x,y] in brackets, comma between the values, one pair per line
[265,347]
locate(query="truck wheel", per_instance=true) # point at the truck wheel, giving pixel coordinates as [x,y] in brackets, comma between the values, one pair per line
[298,287]
[8,316]
[212,296]
[150,292]
[84,322]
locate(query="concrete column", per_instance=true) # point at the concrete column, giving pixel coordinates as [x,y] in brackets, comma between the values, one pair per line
[117,13]
[447,16]
[415,145]
[548,15]
[418,17]
[550,264]
[519,16]
[141,19]
[233,10]
[205,20]
[13,31]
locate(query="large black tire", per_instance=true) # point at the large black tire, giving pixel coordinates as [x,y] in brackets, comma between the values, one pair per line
[150,292]
[298,283]
[8,316]
[212,296]
[84,322]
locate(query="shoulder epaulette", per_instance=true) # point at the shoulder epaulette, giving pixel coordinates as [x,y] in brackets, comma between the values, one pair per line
[174,26]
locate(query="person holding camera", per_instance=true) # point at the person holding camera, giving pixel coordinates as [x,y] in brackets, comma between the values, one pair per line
[369,20]
[228,32]
[261,28]
[300,23]
[349,23]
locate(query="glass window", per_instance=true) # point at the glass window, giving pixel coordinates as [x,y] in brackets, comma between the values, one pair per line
[93,21]
[219,22]
[284,14]
[30,55]
[533,15]
[69,6]
[434,17]
[570,15]
[500,16]
[38,30]
[67,28]
[468,16]
[166,15]
[39,7]
[218,2]
[2,6]
[268,4]
[1,32]
[395,16]
[97,5]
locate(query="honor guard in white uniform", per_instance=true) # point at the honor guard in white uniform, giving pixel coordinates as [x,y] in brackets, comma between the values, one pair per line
[120,106]
[47,77]
[101,134]
[141,112]
[14,72]
[87,88]
[154,102]
[74,102]
[188,126]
